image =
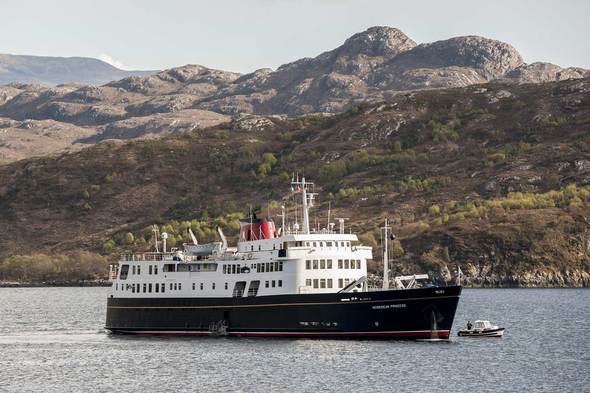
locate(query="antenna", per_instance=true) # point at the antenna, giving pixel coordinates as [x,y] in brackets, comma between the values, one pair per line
[341,222]
[329,212]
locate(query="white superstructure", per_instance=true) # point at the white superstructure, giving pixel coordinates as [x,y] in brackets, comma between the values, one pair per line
[266,261]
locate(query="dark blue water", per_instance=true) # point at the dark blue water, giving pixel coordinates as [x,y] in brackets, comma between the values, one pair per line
[51,340]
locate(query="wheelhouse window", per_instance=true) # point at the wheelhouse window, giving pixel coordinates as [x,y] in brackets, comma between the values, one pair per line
[322,263]
[329,264]
[169,267]
[253,289]
[322,283]
[124,272]
[315,283]
[315,264]
[329,281]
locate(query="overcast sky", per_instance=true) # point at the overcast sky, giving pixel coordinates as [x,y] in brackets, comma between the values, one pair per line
[250,34]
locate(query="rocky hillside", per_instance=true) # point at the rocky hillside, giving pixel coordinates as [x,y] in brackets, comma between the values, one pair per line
[59,70]
[492,177]
[370,66]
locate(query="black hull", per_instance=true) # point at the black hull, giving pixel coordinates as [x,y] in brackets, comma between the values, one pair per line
[410,314]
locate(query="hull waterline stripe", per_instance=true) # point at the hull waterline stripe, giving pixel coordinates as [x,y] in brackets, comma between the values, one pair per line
[399,333]
[287,304]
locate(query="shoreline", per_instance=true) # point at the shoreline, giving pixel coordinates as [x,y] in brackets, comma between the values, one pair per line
[63,284]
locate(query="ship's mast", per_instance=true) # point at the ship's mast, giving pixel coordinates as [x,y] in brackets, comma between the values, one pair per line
[385,256]
[307,201]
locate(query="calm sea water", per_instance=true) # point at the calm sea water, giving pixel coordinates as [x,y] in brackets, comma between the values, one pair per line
[51,340]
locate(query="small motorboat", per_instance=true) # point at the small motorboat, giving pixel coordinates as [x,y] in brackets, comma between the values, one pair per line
[481,329]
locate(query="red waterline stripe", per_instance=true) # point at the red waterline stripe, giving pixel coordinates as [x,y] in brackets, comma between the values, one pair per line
[405,334]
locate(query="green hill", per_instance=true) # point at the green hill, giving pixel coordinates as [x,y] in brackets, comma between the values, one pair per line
[494,178]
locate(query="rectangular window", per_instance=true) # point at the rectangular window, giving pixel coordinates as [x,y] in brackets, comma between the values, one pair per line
[194,285]
[133,288]
[253,289]
[175,286]
[315,264]
[316,282]
[329,264]
[144,287]
[169,267]
[340,264]
[358,263]
[150,269]
[281,266]
[179,286]
[273,283]
[138,269]
[150,287]
[157,287]
[116,287]
[322,283]
[262,268]
[226,286]
[201,286]
[272,267]
[267,267]
[163,287]
[280,283]
[133,269]
[276,266]
[329,283]
[124,272]
[233,269]
[340,283]
[346,264]
[308,282]
[314,244]
[155,269]
[213,286]
[224,269]
[346,281]
[328,244]
[238,269]
[308,264]
[322,263]
[266,284]
[171,286]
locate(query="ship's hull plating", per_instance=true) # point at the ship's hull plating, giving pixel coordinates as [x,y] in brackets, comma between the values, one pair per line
[403,314]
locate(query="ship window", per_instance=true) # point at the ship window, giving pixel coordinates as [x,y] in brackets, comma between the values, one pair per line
[201,286]
[233,269]
[133,288]
[194,285]
[150,269]
[150,287]
[314,244]
[138,288]
[308,282]
[162,287]
[358,264]
[340,283]
[346,264]
[252,248]
[322,283]
[346,281]
[226,286]
[138,269]
[274,246]
[133,269]
[170,286]
[213,286]
[259,247]
[342,244]
[144,287]
[276,266]
[307,244]
[116,287]
[329,264]
[315,282]
[266,284]
[253,289]
[272,267]
[315,264]
[328,244]
[179,286]
[124,272]
[175,286]
[280,266]
[280,283]
[239,289]
[273,283]
[262,268]
[182,268]
[322,263]
[340,264]
[155,269]
[169,267]
[224,269]
[329,283]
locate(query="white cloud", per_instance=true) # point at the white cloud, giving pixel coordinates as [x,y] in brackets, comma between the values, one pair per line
[115,63]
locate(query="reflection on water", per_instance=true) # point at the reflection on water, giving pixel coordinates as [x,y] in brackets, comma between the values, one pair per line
[51,340]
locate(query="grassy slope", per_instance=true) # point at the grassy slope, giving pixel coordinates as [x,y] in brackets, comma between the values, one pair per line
[451,148]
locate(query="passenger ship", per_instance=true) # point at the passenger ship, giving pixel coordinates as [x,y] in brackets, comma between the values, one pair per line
[290,282]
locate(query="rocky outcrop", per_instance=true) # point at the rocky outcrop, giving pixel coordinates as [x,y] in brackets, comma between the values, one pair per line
[544,72]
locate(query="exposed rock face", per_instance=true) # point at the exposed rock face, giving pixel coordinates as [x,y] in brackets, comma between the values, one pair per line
[372,65]
[544,72]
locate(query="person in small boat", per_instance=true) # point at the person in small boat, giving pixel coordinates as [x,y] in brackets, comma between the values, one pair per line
[469,325]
